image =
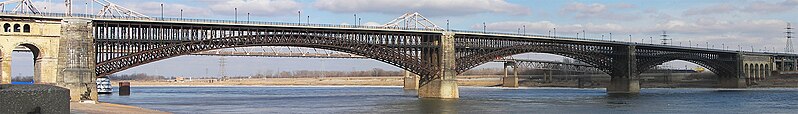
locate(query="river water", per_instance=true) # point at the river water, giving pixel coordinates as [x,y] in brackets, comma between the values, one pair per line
[275,99]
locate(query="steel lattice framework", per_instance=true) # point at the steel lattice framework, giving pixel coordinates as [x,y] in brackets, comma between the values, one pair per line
[121,45]
[148,42]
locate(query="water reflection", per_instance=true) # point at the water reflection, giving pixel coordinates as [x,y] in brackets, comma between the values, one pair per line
[437,106]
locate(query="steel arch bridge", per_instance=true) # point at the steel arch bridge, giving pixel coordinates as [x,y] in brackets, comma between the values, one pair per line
[99,46]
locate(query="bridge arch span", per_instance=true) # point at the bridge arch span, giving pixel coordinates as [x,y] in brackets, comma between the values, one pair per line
[592,58]
[377,52]
[720,68]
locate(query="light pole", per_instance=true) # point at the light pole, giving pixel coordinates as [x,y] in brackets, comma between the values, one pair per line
[355,20]
[741,47]
[555,32]
[630,38]
[308,19]
[247,17]
[299,16]
[651,40]
[359,20]
[584,34]
[484,27]
[524,29]
[181,14]
[447,25]
[235,14]
[161,11]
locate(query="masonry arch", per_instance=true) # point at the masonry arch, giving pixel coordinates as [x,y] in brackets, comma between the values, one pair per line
[6,27]
[33,54]
[26,28]
[17,28]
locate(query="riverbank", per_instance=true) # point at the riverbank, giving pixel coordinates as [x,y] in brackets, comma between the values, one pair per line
[109,108]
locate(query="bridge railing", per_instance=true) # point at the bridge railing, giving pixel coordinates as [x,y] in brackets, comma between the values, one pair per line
[171,19]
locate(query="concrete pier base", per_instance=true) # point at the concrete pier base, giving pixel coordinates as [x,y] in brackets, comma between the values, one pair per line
[411,82]
[443,89]
[623,86]
[510,81]
[732,83]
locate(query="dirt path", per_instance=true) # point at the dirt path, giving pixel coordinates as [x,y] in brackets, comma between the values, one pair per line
[109,108]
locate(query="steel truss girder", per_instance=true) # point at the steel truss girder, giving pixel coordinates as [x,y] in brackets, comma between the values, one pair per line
[147,42]
[473,50]
[722,64]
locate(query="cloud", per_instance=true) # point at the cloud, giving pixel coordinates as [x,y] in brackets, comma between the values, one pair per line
[255,7]
[153,9]
[426,7]
[766,7]
[754,7]
[598,11]
[372,24]
[542,27]
[760,33]
[712,26]
[715,9]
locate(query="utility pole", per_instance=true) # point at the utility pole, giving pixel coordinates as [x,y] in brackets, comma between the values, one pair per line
[484,27]
[68,4]
[222,62]
[788,32]
[447,25]
[665,38]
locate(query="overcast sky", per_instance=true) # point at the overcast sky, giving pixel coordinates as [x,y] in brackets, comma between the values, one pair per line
[730,23]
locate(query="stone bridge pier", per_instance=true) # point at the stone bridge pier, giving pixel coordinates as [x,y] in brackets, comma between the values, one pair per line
[77,59]
[63,53]
[444,58]
[507,80]
[624,78]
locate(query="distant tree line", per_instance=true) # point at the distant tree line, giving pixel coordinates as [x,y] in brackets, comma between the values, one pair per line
[137,76]
[376,72]
[22,79]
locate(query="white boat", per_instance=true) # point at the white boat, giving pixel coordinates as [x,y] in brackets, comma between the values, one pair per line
[104,85]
